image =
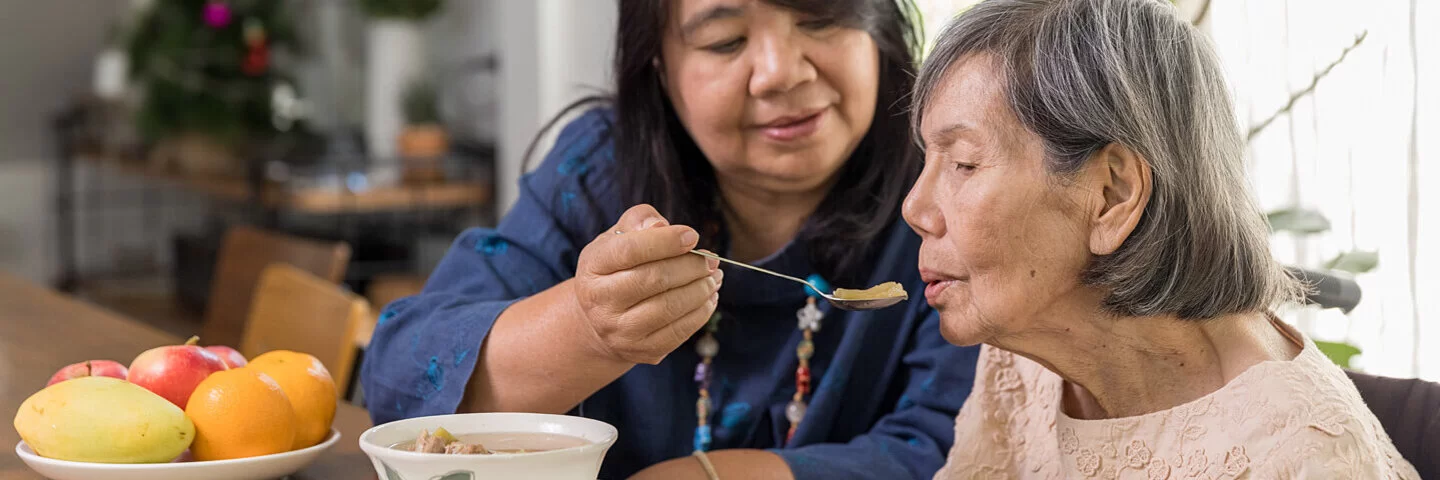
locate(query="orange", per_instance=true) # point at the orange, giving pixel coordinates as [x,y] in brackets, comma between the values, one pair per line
[310,389]
[240,413]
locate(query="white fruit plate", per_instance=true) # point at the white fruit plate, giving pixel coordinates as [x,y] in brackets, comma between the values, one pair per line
[252,468]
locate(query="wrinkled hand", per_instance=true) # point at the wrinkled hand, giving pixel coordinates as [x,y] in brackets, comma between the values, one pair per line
[642,293]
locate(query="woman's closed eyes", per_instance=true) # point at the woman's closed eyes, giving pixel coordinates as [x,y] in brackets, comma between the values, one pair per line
[734,44]
[726,46]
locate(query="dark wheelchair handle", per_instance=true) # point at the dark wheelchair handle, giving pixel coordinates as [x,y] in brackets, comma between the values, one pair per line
[1328,290]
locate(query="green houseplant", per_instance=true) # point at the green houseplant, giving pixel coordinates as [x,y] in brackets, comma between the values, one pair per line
[422,137]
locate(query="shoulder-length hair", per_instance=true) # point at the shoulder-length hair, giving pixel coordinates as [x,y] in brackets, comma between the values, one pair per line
[1083,74]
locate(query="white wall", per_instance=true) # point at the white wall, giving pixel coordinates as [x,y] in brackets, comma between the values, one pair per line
[27,229]
[46,55]
[551,53]
[46,58]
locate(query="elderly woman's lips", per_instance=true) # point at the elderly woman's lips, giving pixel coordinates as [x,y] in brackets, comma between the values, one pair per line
[935,288]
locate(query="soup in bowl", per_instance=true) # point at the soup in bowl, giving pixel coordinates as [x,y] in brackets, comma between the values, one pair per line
[489,445]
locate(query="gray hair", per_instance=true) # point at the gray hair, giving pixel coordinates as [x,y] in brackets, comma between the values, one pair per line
[1083,74]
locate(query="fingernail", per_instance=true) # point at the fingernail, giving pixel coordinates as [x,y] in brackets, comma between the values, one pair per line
[714,285]
[689,238]
[714,299]
[651,222]
[713,264]
[718,277]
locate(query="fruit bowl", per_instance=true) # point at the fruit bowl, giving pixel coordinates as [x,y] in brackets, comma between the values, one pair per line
[263,467]
[579,461]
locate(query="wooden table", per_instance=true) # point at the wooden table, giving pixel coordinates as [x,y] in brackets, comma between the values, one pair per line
[42,330]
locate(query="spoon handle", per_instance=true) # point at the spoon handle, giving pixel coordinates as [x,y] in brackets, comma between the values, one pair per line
[752,267]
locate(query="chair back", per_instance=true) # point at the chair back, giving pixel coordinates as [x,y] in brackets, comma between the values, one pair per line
[297,311]
[1409,410]
[244,253]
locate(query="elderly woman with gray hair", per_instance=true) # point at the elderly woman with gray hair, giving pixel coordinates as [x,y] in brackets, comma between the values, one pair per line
[1085,215]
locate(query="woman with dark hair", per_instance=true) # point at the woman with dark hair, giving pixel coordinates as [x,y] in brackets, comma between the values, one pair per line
[770,131]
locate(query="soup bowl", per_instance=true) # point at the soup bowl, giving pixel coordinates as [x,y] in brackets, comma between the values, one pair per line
[574,462]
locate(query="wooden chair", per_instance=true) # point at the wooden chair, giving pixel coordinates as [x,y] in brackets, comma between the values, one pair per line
[244,253]
[297,311]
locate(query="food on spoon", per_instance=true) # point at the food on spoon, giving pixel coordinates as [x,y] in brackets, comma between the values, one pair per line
[881,291]
[103,420]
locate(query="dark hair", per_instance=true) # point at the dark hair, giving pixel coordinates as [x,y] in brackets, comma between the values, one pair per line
[664,167]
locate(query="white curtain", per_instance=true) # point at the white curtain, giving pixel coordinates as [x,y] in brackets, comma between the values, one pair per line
[1361,149]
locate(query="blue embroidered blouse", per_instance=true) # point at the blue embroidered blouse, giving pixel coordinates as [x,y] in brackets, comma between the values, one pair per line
[887,385]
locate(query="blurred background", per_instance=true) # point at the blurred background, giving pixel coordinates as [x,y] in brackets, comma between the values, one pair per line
[360,136]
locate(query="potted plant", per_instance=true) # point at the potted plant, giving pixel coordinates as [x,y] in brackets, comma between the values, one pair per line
[423,140]
[396,58]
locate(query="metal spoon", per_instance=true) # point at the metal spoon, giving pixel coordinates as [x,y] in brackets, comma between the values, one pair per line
[841,303]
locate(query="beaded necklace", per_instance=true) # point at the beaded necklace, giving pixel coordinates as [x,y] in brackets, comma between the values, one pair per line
[808,322]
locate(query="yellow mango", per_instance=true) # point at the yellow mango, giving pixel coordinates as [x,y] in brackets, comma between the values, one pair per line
[103,420]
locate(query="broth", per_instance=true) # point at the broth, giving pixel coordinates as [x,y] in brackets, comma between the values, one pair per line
[510,442]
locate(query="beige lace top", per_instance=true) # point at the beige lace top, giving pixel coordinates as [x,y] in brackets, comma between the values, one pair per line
[1301,418]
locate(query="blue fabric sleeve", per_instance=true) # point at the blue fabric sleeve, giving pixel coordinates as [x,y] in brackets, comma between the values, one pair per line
[424,349]
[913,440]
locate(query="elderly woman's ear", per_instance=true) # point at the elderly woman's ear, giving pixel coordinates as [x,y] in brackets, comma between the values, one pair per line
[1120,183]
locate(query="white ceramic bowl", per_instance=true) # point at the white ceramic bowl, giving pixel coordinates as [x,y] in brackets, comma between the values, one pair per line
[263,467]
[579,463]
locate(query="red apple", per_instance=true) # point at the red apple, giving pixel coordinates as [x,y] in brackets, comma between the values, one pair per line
[173,371]
[232,358]
[98,368]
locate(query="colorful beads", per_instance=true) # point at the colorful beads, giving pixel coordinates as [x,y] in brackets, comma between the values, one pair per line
[805,349]
[707,346]
[808,317]
[808,321]
[702,406]
[795,412]
[819,282]
[701,370]
[702,438]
